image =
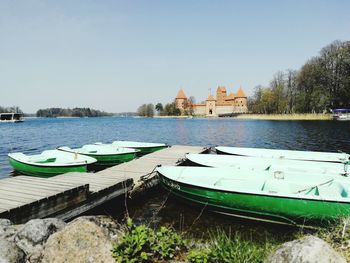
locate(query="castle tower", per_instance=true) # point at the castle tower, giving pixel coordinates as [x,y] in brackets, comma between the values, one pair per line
[180,100]
[221,94]
[241,100]
[210,109]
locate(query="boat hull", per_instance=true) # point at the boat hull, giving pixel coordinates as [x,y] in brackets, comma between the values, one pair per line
[45,171]
[278,209]
[147,150]
[112,159]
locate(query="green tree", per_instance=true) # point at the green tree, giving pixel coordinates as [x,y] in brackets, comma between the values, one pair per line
[150,110]
[159,108]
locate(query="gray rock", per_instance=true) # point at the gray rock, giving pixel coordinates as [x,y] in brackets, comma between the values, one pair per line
[309,249]
[7,229]
[10,252]
[86,239]
[4,222]
[31,236]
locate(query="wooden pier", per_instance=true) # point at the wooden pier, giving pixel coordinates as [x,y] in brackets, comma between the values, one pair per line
[145,165]
[65,196]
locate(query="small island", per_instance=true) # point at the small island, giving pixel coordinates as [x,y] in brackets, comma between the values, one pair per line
[75,112]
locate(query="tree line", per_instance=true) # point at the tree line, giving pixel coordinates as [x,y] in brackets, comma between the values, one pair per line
[322,84]
[75,112]
[169,109]
[148,110]
[13,109]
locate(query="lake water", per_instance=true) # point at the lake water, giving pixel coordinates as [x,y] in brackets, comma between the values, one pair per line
[35,135]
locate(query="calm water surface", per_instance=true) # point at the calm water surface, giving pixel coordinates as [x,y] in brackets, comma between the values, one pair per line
[36,135]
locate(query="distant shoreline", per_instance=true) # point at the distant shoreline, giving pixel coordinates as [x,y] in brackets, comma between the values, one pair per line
[280,117]
[172,117]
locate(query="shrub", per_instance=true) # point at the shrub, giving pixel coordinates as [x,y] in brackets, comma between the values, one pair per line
[199,255]
[143,244]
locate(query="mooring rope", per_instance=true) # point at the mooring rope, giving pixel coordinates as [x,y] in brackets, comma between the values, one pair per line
[146,176]
[160,207]
[199,215]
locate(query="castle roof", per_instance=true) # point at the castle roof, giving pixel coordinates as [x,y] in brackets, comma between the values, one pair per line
[221,89]
[231,96]
[181,95]
[240,93]
[211,98]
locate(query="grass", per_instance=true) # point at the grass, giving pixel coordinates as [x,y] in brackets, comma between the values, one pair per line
[223,247]
[144,244]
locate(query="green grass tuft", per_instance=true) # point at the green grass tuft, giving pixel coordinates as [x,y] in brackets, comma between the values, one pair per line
[226,248]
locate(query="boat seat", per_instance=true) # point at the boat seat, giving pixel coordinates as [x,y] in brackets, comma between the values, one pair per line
[333,190]
[47,160]
[245,185]
[274,186]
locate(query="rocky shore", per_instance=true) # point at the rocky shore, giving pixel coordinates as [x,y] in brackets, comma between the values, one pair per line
[91,238]
[85,239]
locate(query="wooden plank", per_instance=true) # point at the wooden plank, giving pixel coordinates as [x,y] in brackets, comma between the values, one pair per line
[22,197]
[29,181]
[99,198]
[48,185]
[10,203]
[37,187]
[96,178]
[3,209]
[41,181]
[25,190]
[21,193]
[6,206]
[94,187]
[29,186]
[78,180]
[44,181]
[90,179]
[45,206]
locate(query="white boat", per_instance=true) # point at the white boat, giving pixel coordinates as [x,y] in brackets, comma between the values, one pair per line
[275,196]
[49,163]
[143,147]
[105,154]
[341,114]
[265,164]
[11,117]
[285,154]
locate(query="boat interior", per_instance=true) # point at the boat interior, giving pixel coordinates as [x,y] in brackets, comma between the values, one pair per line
[50,157]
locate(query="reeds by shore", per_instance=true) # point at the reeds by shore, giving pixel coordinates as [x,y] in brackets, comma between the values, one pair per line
[286,117]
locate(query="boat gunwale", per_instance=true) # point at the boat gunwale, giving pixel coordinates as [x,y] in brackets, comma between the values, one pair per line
[158,145]
[346,160]
[96,154]
[45,165]
[192,159]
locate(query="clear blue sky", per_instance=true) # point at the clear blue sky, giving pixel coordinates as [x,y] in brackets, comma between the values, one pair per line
[116,55]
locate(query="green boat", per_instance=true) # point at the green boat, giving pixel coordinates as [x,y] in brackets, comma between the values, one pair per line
[144,147]
[49,163]
[261,164]
[285,154]
[276,196]
[105,155]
